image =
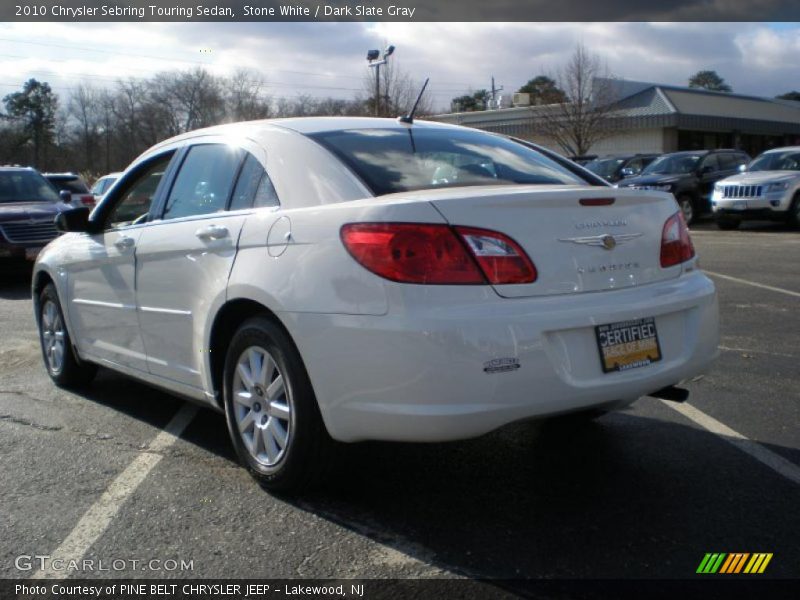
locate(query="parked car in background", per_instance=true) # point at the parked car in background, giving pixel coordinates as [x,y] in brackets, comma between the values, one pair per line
[689,176]
[28,205]
[102,185]
[769,188]
[75,185]
[428,283]
[582,160]
[614,167]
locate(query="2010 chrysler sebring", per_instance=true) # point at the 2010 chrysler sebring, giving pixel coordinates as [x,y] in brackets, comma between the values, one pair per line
[341,279]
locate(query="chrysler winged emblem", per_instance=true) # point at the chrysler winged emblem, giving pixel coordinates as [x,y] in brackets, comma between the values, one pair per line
[606,240]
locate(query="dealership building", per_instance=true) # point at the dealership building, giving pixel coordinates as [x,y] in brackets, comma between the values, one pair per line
[651,117]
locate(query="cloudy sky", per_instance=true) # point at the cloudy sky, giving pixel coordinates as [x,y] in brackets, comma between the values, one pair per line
[328,59]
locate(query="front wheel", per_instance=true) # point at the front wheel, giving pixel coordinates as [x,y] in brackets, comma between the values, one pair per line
[63,366]
[272,413]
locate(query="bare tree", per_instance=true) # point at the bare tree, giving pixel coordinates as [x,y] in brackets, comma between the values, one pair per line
[398,91]
[84,110]
[245,99]
[583,116]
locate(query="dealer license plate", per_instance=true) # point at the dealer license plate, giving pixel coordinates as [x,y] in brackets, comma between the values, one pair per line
[628,344]
[32,253]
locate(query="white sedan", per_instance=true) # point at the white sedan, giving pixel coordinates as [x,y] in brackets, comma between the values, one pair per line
[342,279]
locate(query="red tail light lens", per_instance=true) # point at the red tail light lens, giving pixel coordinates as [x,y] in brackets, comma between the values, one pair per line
[411,253]
[437,254]
[676,245]
[501,259]
[87,200]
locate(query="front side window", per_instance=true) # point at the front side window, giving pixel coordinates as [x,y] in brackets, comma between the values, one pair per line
[204,182]
[400,160]
[711,163]
[134,205]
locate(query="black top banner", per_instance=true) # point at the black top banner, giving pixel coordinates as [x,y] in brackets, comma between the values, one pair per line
[401,10]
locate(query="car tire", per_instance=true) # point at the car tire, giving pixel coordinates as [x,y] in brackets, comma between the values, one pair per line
[276,427]
[728,223]
[686,204]
[60,360]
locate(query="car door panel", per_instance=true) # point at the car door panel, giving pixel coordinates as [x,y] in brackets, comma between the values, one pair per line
[181,268]
[101,271]
[184,259]
[100,283]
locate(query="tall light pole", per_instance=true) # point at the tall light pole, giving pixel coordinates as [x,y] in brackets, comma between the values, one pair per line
[375,61]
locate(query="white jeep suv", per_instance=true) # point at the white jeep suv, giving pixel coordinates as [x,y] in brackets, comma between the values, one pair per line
[768,189]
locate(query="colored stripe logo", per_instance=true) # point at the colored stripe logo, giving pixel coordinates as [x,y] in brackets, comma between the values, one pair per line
[735,562]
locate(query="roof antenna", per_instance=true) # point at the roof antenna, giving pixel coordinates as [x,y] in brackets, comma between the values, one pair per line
[409,118]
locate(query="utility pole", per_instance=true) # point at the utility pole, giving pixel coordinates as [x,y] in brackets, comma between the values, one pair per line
[373,57]
[494,93]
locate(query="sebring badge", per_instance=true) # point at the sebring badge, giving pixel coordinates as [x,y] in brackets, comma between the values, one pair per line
[607,241]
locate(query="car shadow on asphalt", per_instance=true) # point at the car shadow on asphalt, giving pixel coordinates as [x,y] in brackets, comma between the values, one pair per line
[625,496]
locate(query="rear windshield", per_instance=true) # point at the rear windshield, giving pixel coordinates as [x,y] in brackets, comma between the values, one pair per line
[76,186]
[392,160]
[25,186]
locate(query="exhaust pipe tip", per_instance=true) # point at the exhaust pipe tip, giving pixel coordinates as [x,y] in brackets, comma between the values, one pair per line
[671,393]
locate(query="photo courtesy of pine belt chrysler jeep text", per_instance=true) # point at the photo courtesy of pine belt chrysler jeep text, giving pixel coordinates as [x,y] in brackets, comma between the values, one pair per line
[330,280]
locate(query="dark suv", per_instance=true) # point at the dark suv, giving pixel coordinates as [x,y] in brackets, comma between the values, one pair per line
[72,183]
[690,177]
[618,166]
[28,206]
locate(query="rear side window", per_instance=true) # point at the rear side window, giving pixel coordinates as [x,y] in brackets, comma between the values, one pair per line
[400,160]
[76,186]
[254,188]
[204,182]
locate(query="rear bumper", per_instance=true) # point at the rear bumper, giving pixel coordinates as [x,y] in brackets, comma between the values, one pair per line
[420,376]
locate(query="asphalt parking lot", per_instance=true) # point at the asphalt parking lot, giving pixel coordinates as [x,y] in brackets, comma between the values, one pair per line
[643,493]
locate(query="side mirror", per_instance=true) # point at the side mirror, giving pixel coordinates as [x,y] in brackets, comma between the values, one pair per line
[742,168]
[66,196]
[74,219]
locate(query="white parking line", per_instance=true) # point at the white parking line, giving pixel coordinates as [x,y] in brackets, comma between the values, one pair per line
[97,519]
[774,461]
[753,283]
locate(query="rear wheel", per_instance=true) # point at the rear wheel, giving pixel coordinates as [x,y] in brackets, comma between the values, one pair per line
[728,223]
[63,366]
[686,205]
[272,413]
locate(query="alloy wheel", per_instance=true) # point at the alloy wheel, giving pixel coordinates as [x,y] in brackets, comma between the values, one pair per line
[53,336]
[262,406]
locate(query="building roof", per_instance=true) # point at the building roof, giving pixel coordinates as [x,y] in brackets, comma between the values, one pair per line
[643,104]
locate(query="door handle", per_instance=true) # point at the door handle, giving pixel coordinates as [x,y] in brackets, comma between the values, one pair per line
[125,242]
[212,232]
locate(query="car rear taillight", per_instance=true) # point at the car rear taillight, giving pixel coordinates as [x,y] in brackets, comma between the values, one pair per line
[87,200]
[437,254]
[676,245]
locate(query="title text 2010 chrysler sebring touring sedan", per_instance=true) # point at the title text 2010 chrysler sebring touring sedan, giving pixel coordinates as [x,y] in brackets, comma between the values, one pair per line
[335,280]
